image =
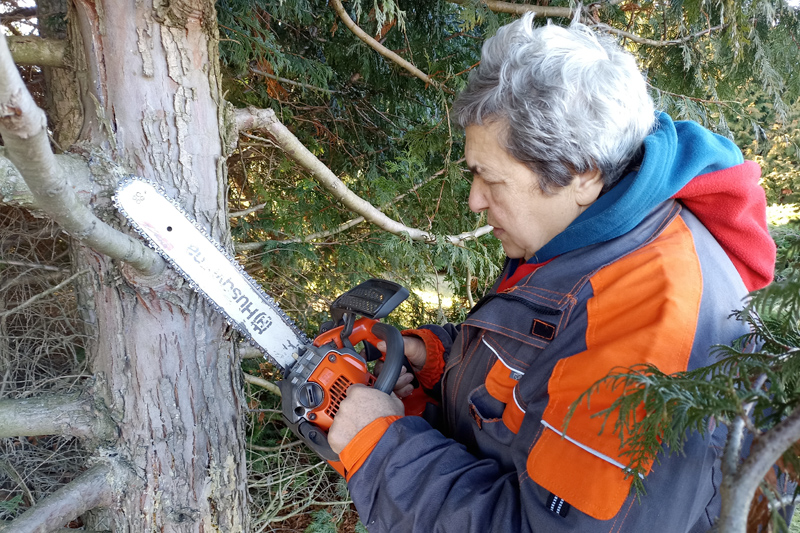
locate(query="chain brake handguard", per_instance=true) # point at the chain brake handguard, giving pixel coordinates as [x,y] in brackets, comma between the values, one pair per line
[317,383]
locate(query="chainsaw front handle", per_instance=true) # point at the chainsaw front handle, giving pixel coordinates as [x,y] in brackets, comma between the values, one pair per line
[395,356]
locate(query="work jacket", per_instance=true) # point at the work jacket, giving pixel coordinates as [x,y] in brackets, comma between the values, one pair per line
[502,458]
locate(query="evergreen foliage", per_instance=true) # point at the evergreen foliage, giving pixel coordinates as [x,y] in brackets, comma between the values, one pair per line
[387,134]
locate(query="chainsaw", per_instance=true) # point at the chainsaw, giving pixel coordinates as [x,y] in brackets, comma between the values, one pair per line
[316,373]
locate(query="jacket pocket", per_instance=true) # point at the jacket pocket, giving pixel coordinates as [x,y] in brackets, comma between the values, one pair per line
[487,413]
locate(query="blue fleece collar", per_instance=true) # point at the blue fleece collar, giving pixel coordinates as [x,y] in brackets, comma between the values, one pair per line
[674,153]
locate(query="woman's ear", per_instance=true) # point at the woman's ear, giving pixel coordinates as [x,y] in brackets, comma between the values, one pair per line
[587,187]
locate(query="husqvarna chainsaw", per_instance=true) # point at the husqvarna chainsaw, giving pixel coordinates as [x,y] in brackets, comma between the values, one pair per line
[316,374]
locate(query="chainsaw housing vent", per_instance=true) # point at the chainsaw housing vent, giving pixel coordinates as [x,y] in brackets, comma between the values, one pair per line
[338,392]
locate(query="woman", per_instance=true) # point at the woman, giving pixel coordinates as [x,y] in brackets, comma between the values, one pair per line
[630,239]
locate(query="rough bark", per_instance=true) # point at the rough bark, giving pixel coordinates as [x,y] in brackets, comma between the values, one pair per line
[172,382]
[65,113]
[23,127]
[149,82]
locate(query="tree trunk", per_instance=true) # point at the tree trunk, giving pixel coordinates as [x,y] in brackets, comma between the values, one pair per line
[170,378]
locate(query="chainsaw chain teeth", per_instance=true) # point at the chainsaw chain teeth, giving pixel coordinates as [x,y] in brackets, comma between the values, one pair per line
[255,285]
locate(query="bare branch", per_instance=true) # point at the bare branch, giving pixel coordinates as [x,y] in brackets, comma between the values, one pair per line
[739,487]
[23,127]
[97,487]
[43,294]
[15,192]
[21,13]
[247,351]
[31,265]
[32,50]
[382,50]
[265,119]
[261,382]
[74,415]
[245,212]
[291,82]
[650,42]
[519,9]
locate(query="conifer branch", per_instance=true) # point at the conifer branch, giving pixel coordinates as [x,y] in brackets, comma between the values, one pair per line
[651,42]
[23,127]
[245,212]
[97,487]
[382,50]
[520,9]
[739,488]
[32,50]
[266,120]
[75,415]
[453,239]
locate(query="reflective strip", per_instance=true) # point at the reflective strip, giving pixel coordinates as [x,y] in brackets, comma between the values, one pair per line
[597,454]
[514,395]
[516,370]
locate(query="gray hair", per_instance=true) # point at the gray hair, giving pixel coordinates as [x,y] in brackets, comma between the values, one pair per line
[571,100]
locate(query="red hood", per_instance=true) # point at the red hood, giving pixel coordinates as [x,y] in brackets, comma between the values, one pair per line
[732,205]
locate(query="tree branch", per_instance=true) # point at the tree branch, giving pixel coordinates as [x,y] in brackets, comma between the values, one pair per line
[245,212]
[290,82]
[738,489]
[382,50]
[20,13]
[15,192]
[265,119]
[75,415]
[32,50]
[261,382]
[97,487]
[23,127]
[519,9]
[44,294]
[650,42]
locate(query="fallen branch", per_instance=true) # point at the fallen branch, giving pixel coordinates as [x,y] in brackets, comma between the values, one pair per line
[382,50]
[265,119]
[74,415]
[23,127]
[97,487]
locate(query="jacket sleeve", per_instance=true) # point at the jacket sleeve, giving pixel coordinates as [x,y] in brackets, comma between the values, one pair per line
[438,343]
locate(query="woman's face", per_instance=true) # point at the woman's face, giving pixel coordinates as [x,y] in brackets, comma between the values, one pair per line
[524,218]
